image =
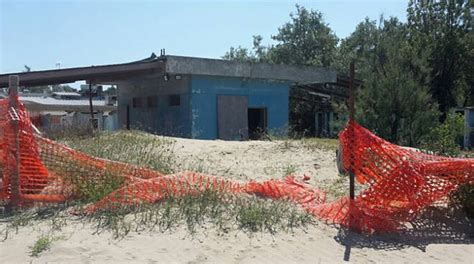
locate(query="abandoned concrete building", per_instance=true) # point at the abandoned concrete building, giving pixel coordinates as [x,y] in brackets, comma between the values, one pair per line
[467,140]
[61,110]
[209,98]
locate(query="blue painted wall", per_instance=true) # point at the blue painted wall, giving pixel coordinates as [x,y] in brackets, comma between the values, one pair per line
[164,119]
[260,93]
[161,119]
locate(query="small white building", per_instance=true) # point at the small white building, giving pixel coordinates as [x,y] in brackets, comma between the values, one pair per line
[468,127]
[62,110]
[66,96]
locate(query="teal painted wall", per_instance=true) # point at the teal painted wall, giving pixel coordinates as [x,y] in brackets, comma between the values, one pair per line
[260,93]
[162,119]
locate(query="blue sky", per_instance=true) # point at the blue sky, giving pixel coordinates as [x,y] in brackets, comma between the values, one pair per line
[82,33]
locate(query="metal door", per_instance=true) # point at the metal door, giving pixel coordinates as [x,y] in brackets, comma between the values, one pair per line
[232,119]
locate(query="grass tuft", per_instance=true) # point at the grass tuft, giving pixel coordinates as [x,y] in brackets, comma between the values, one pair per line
[290,169]
[133,147]
[328,144]
[42,244]
[201,210]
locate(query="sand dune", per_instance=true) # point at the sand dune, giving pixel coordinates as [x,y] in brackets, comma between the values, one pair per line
[444,239]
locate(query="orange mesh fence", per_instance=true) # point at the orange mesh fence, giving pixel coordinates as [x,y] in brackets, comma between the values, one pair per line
[399,182]
[48,171]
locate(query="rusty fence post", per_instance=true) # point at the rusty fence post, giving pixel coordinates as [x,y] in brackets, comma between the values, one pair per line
[351,147]
[91,107]
[351,141]
[13,83]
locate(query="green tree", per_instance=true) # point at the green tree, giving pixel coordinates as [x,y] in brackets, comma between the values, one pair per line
[392,102]
[257,54]
[410,71]
[361,46]
[305,40]
[442,28]
[445,137]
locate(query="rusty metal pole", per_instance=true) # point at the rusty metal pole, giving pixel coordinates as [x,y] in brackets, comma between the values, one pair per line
[351,118]
[127,118]
[90,101]
[13,83]
[92,122]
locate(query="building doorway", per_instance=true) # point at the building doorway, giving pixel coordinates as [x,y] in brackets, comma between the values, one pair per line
[257,123]
[322,124]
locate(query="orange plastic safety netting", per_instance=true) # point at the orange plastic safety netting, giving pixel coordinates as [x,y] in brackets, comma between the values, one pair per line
[399,182]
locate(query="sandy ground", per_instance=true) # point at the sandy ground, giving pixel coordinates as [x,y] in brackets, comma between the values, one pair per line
[256,160]
[318,245]
[77,243]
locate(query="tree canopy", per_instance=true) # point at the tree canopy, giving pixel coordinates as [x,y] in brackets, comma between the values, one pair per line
[414,72]
[305,40]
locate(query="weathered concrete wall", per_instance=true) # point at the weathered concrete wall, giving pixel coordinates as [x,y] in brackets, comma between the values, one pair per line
[110,121]
[161,119]
[213,67]
[260,93]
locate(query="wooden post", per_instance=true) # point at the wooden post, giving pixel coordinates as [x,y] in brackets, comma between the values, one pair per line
[13,83]
[351,118]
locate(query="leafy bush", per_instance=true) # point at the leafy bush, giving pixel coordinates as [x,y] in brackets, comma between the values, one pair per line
[464,196]
[444,138]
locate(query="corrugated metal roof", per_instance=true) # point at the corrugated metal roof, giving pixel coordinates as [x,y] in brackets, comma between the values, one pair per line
[66,94]
[54,101]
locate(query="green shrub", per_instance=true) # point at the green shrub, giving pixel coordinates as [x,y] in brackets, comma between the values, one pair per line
[444,138]
[464,196]
[43,243]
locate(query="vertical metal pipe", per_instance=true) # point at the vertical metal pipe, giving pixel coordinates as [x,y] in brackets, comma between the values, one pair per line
[351,118]
[127,118]
[351,91]
[91,108]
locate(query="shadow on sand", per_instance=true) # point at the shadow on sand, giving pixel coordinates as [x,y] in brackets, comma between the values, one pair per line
[434,226]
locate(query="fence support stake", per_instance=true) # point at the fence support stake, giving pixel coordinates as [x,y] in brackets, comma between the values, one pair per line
[351,118]
[14,202]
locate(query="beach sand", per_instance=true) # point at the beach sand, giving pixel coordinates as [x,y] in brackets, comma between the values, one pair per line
[258,160]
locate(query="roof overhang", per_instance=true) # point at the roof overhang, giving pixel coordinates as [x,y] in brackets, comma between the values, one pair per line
[339,89]
[176,65]
[35,107]
[94,74]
